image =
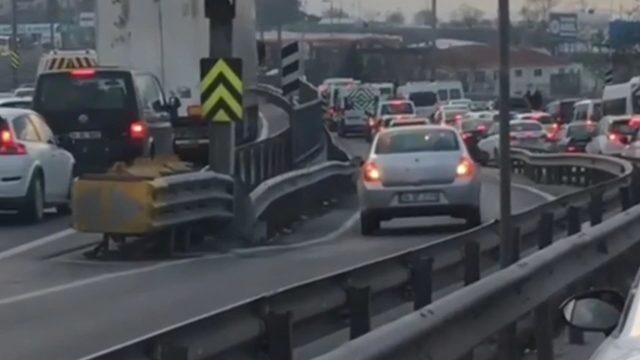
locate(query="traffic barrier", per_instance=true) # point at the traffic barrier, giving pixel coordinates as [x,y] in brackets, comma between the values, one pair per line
[415,275]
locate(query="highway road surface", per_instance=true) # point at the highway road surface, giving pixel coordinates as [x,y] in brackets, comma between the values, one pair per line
[54,304]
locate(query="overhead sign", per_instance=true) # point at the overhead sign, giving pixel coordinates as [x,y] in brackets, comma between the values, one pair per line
[624,33]
[564,25]
[221,89]
[291,69]
[363,98]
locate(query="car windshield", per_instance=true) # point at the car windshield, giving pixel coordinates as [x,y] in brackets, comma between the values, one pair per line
[64,92]
[521,127]
[417,140]
[581,132]
[426,98]
[397,108]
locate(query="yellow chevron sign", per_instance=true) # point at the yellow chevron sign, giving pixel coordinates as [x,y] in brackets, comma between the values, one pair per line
[15,59]
[221,89]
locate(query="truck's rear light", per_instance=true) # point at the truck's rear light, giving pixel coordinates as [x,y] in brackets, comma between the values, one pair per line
[8,146]
[465,168]
[138,130]
[194,111]
[83,73]
[371,172]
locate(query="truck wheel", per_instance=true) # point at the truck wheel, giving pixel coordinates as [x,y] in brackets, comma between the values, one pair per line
[33,208]
[368,223]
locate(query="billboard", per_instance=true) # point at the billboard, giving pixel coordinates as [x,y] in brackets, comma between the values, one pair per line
[564,25]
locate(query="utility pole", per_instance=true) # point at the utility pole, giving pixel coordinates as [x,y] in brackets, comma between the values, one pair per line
[52,9]
[14,40]
[222,137]
[434,31]
[505,151]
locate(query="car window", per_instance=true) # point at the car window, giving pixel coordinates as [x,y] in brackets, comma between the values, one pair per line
[614,107]
[65,92]
[581,113]
[427,140]
[581,132]
[24,129]
[43,130]
[426,98]
[398,108]
[525,127]
[455,94]
[17,105]
[149,90]
[443,95]
[622,127]
[597,112]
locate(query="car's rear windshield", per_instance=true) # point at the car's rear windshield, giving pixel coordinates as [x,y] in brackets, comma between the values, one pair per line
[476,125]
[581,132]
[417,140]
[622,127]
[103,91]
[426,98]
[455,114]
[525,127]
[397,108]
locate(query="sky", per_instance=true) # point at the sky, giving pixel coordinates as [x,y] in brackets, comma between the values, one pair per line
[445,7]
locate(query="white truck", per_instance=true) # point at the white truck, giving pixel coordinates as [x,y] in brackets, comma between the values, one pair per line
[168,38]
[357,103]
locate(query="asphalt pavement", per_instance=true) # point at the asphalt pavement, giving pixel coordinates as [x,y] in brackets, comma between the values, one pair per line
[54,304]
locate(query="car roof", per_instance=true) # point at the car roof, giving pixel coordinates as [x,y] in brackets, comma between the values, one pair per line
[98,69]
[617,118]
[589,101]
[518,122]
[11,113]
[15,99]
[419,127]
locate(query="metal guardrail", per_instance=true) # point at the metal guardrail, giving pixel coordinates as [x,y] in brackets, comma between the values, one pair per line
[265,323]
[265,159]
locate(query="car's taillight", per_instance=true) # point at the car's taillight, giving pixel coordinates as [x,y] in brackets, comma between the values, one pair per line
[194,111]
[8,146]
[467,136]
[465,168]
[138,130]
[614,137]
[83,73]
[512,138]
[371,172]
[572,149]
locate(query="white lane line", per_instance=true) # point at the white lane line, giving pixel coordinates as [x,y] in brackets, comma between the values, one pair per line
[36,243]
[96,279]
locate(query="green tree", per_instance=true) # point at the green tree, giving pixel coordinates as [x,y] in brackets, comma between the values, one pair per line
[396,18]
[423,17]
[272,14]
[467,15]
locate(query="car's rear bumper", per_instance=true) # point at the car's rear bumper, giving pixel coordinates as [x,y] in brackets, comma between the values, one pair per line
[454,199]
[11,203]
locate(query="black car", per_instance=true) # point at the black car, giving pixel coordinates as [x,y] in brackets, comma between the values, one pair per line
[106,115]
[574,137]
[474,130]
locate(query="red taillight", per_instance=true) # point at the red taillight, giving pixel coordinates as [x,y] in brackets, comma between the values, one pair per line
[371,172]
[138,130]
[8,146]
[482,128]
[614,137]
[465,168]
[83,73]
[467,136]
[572,149]
[635,122]
[513,138]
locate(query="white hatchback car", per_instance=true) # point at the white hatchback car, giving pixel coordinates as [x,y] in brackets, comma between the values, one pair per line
[418,171]
[34,171]
[529,134]
[614,134]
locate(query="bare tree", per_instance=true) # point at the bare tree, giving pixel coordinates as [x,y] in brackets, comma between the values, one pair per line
[335,13]
[538,10]
[396,18]
[467,15]
[423,17]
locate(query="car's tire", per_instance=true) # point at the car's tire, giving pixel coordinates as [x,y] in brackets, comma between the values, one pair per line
[33,208]
[474,218]
[368,223]
[332,126]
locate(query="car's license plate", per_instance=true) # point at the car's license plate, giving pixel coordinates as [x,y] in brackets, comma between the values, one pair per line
[85,135]
[419,197]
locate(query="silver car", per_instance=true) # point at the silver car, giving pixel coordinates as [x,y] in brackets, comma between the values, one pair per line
[418,171]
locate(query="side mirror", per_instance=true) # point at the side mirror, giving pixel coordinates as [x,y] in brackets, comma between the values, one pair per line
[357,161]
[594,311]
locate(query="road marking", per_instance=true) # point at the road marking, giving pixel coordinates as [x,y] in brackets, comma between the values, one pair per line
[36,243]
[9,300]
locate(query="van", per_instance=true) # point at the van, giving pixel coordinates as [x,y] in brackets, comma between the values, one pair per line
[587,110]
[427,95]
[106,115]
[622,99]
[561,110]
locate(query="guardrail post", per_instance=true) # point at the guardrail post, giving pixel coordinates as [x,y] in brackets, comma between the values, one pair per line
[543,331]
[279,326]
[573,220]
[596,208]
[421,282]
[625,198]
[515,245]
[545,230]
[635,186]
[471,262]
[359,301]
